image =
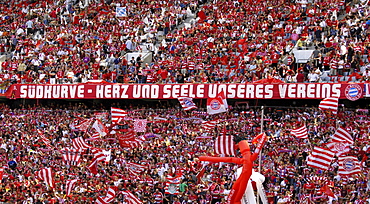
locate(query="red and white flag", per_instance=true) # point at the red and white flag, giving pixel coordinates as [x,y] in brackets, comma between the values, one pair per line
[209,125]
[71,156]
[140,125]
[217,104]
[44,139]
[342,135]
[70,184]
[84,125]
[137,142]
[98,155]
[187,103]
[79,143]
[111,194]
[135,168]
[100,128]
[330,104]
[172,185]
[300,132]
[117,114]
[131,198]
[128,136]
[348,166]
[93,167]
[320,158]
[339,148]
[225,145]
[47,176]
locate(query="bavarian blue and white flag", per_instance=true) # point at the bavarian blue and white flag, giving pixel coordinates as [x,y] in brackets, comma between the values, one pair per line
[121,11]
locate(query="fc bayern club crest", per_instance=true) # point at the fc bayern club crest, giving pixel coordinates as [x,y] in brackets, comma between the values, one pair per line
[353,92]
[348,164]
[215,104]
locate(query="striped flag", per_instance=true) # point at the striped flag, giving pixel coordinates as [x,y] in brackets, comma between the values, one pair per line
[79,143]
[300,132]
[135,168]
[117,114]
[72,156]
[225,145]
[98,155]
[47,176]
[187,103]
[209,125]
[84,125]
[330,104]
[342,135]
[111,194]
[172,185]
[44,139]
[320,158]
[348,166]
[70,184]
[338,147]
[131,198]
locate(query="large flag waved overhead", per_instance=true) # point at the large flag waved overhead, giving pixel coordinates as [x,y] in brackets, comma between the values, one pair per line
[342,135]
[217,104]
[320,158]
[209,125]
[187,103]
[46,175]
[348,166]
[70,184]
[225,145]
[338,147]
[330,104]
[131,198]
[300,132]
[117,114]
[100,128]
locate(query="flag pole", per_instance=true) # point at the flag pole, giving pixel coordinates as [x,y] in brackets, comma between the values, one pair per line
[260,154]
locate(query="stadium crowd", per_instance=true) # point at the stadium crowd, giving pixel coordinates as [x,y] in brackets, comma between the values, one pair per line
[33,138]
[74,41]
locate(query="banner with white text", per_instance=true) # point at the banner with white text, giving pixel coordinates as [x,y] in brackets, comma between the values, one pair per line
[196,91]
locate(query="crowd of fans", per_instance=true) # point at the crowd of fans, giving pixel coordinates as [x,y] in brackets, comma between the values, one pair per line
[74,41]
[174,139]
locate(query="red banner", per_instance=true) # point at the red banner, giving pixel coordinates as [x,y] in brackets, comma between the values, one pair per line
[173,91]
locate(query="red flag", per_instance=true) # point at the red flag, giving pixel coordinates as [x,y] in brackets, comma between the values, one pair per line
[325,189]
[93,167]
